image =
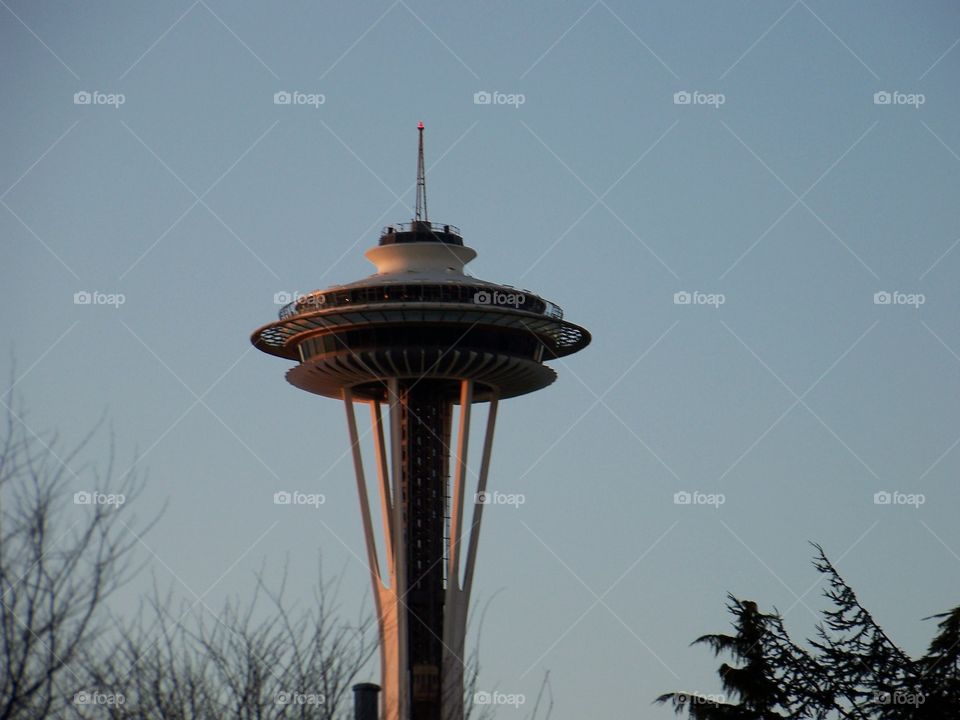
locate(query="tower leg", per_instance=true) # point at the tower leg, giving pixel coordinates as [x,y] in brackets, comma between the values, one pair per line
[401,690]
[458,594]
[385,598]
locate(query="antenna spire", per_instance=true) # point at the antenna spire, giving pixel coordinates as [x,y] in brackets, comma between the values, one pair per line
[421,211]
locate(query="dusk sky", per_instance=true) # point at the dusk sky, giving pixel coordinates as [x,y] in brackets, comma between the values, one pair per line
[752,206]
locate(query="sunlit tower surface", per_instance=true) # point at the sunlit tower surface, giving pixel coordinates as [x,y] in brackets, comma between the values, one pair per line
[417,339]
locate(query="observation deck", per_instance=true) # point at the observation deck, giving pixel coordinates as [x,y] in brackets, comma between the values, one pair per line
[421,231]
[421,318]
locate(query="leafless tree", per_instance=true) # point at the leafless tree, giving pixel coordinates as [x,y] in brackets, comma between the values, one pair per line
[66,542]
[58,563]
[254,659]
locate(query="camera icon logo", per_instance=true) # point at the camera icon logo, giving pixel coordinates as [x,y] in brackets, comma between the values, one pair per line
[82,498]
[682,498]
[282,98]
[282,497]
[882,298]
[82,98]
[882,97]
[482,498]
[82,298]
[482,297]
[482,97]
[882,498]
[682,98]
[682,298]
[283,297]
[482,698]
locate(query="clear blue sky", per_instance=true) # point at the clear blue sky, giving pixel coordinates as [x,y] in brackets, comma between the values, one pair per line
[798,198]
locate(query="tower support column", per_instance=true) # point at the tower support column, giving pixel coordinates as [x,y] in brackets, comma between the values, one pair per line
[421,603]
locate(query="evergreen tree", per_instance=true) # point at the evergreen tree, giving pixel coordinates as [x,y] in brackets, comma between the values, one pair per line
[755,684]
[854,672]
[940,670]
[868,675]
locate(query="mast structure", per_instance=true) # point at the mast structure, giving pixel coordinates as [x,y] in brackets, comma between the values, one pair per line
[420,213]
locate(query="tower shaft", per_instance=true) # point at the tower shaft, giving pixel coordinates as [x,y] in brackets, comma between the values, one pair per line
[420,599]
[425,460]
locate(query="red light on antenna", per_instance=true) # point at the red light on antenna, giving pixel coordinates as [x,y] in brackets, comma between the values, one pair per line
[419,126]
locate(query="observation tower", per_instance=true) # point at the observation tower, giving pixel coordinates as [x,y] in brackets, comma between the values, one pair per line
[420,342]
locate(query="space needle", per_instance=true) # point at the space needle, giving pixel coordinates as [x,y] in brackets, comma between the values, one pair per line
[420,342]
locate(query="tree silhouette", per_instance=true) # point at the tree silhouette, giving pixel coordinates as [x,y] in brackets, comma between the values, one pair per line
[64,656]
[854,670]
[55,575]
[868,674]
[754,684]
[253,660]
[940,669]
